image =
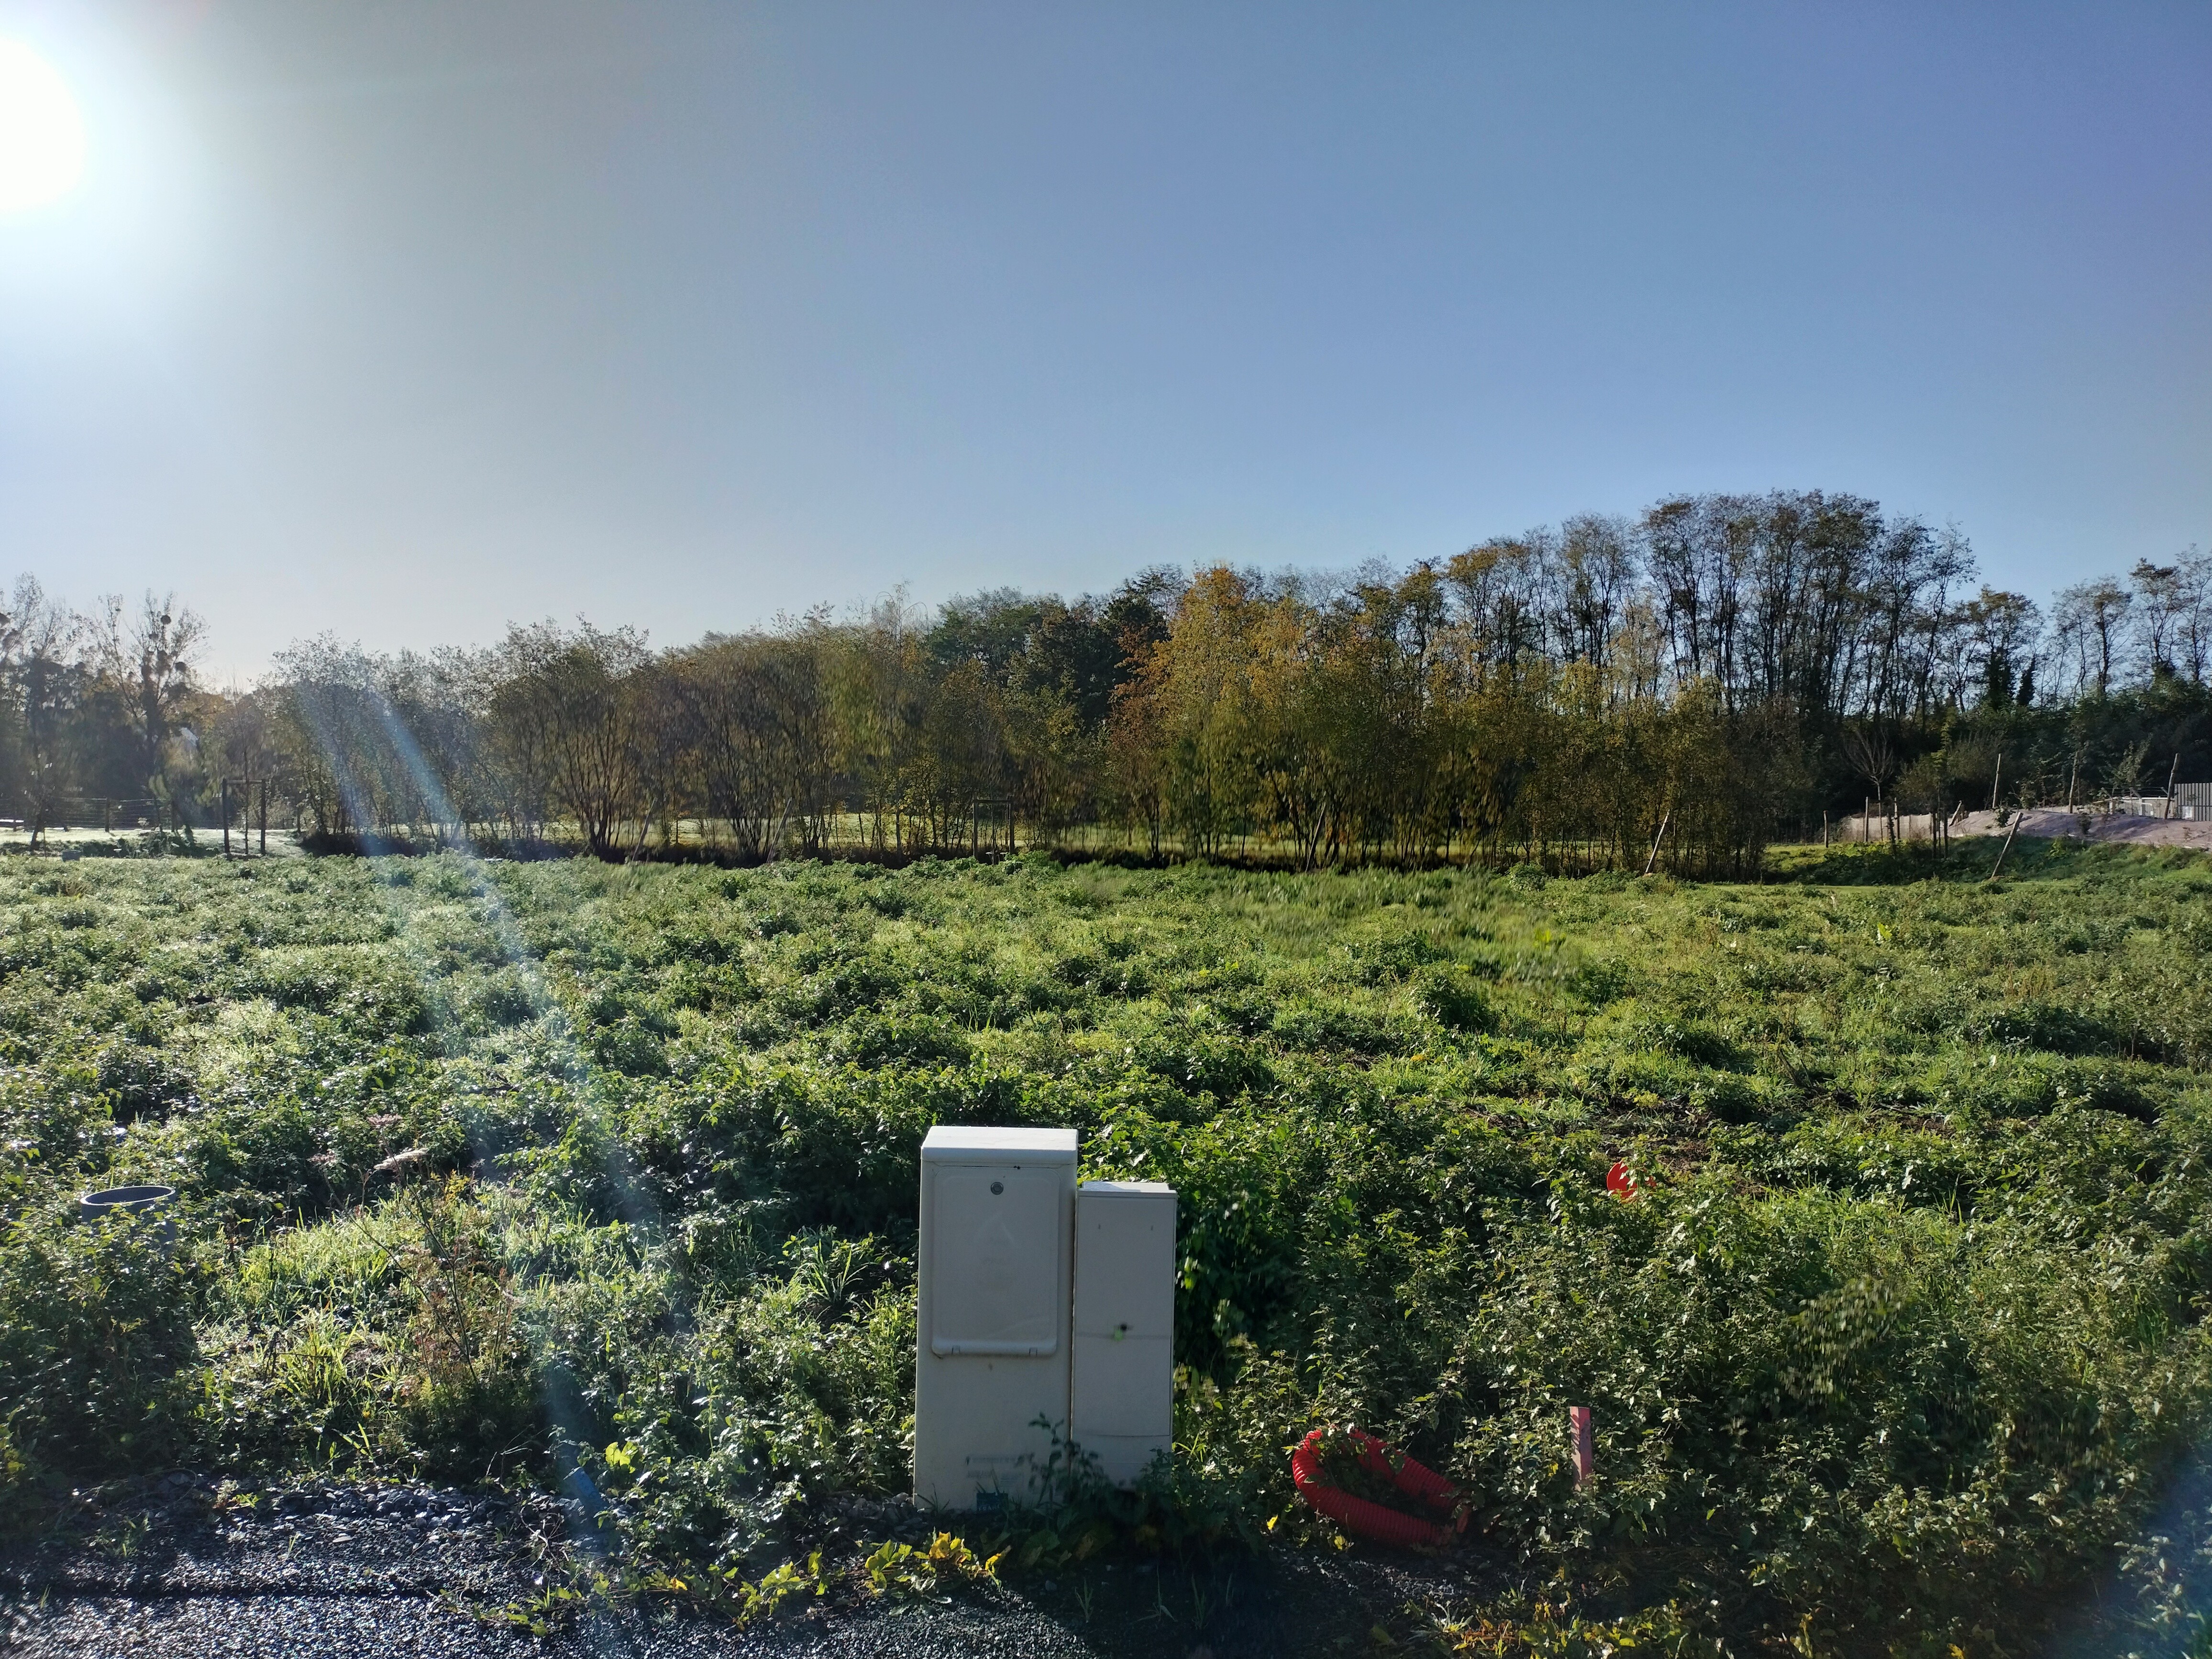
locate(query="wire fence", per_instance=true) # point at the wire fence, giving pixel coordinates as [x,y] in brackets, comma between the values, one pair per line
[106,813]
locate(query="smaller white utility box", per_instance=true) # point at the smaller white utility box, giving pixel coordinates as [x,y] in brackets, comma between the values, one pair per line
[1121,1396]
[997,1214]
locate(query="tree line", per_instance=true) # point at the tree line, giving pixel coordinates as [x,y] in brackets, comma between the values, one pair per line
[1685,686]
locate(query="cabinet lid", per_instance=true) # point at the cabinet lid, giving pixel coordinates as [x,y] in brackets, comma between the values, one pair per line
[985,1144]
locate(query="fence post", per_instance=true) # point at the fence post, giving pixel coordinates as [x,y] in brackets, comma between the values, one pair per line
[222,790]
[2007,848]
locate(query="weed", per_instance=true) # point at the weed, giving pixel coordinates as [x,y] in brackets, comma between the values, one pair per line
[896,1569]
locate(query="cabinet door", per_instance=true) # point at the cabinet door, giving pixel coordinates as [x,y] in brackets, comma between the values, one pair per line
[996,1252]
[1125,1264]
[1123,1387]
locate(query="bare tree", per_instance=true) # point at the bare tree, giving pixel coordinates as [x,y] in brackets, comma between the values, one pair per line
[1699,550]
[756,723]
[1501,591]
[2182,595]
[1999,632]
[1597,577]
[2158,603]
[2193,636]
[151,661]
[574,702]
[39,640]
[2089,624]
[1872,755]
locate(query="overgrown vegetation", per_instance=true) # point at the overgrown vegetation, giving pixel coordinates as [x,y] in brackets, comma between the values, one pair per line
[516,1172]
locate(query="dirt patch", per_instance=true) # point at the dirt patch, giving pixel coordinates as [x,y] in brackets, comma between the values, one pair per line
[2056,823]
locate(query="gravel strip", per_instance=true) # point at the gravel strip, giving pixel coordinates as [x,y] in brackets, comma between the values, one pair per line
[188,1567]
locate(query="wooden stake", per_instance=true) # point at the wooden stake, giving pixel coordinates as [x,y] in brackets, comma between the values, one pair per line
[1665,818]
[2007,848]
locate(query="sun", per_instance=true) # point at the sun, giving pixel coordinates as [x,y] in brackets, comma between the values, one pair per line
[41,134]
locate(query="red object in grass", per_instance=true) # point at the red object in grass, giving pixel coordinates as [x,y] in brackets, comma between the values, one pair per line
[1619,1182]
[1358,1514]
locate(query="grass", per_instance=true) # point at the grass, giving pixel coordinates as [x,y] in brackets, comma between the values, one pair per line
[505,1171]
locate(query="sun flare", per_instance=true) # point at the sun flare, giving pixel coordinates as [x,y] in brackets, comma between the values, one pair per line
[41,134]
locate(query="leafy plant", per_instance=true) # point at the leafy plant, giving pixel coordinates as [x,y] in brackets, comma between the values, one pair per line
[899,1568]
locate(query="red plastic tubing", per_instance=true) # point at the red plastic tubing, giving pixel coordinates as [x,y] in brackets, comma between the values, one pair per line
[1357,1515]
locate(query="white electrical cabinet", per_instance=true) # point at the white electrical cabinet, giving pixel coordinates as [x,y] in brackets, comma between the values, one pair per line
[997,1214]
[1122,1397]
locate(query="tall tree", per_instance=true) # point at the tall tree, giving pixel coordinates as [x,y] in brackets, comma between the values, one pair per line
[2088,623]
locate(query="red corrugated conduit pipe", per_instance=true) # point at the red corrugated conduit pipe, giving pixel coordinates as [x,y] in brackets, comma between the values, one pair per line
[1369,1520]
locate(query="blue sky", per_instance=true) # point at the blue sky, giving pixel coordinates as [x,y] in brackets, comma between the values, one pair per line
[404,321]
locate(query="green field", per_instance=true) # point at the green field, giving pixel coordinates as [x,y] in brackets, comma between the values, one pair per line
[487,1166]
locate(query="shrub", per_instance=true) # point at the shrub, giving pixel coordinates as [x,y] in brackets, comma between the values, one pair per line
[96,1346]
